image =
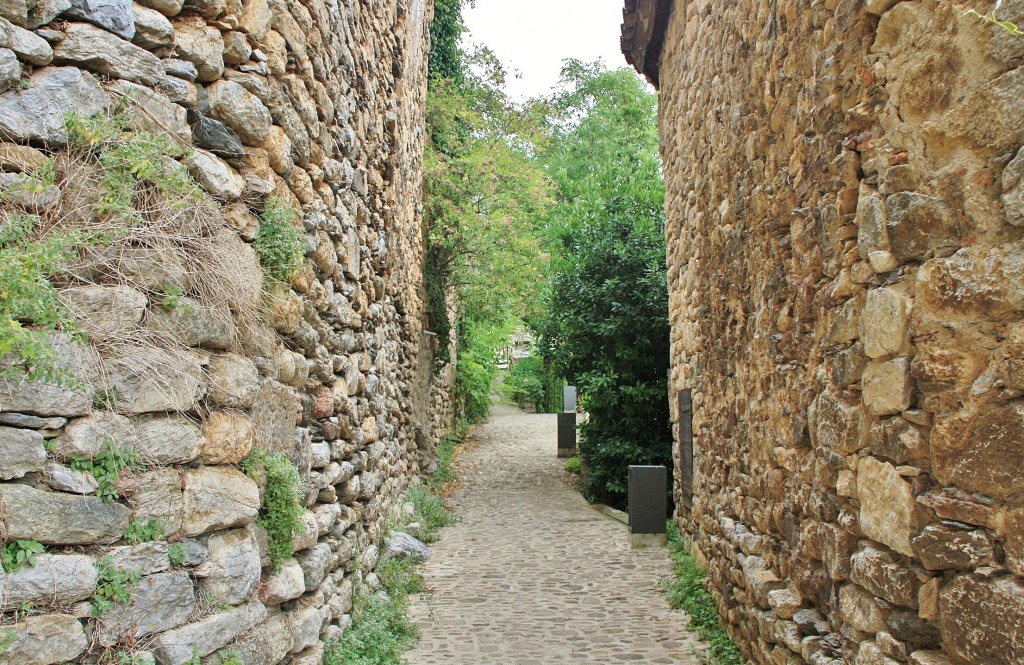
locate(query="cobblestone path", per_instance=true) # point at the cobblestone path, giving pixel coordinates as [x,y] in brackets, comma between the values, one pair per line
[532,575]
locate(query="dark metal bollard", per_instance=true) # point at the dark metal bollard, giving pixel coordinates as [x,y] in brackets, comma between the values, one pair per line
[569,398]
[648,505]
[567,434]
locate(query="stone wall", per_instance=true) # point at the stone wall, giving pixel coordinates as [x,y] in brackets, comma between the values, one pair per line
[846,274]
[319,104]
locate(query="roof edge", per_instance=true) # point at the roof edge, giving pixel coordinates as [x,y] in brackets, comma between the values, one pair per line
[644,23]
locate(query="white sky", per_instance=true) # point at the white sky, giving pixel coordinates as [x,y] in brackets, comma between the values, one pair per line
[533,37]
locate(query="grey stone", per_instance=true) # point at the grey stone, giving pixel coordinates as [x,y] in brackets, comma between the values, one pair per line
[57,579]
[150,111]
[158,496]
[27,45]
[21,189]
[201,45]
[65,479]
[105,311]
[284,585]
[10,70]
[192,324]
[158,603]
[215,136]
[269,643]
[218,498]
[231,572]
[236,48]
[401,545]
[54,518]
[31,422]
[240,110]
[147,558]
[23,452]
[305,624]
[215,175]
[181,92]
[112,15]
[182,69]
[44,640]
[315,564]
[45,11]
[97,50]
[15,11]
[83,437]
[234,381]
[152,29]
[151,380]
[168,439]
[176,646]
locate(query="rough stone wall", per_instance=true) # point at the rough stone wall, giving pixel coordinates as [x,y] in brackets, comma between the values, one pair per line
[316,102]
[846,273]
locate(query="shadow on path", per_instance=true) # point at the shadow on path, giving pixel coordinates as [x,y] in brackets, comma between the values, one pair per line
[532,575]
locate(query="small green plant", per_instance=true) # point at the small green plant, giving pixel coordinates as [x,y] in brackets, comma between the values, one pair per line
[279,242]
[991,18]
[573,465]
[18,553]
[430,512]
[144,532]
[177,554]
[687,590]
[106,400]
[230,658]
[7,638]
[282,501]
[381,629]
[195,659]
[107,466]
[113,585]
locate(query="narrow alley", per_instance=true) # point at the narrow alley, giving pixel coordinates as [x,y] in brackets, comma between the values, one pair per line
[531,574]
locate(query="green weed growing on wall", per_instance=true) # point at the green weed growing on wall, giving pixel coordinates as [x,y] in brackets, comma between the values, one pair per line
[279,243]
[113,585]
[282,501]
[106,467]
[18,553]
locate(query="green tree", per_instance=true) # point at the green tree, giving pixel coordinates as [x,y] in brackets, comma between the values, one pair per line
[606,328]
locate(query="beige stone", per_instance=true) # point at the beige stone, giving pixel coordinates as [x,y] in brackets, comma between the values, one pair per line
[980,619]
[860,610]
[44,640]
[887,386]
[980,450]
[888,512]
[884,322]
[218,498]
[228,437]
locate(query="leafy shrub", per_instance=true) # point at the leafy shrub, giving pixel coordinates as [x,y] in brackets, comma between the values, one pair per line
[430,512]
[687,590]
[279,242]
[474,374]
[113,586]
[106,467]
[525,382]
[282,502]
[17,553]
[143,532]
[573,465]
[381,629]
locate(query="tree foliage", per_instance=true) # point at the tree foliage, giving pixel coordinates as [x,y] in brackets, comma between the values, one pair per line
[606,327]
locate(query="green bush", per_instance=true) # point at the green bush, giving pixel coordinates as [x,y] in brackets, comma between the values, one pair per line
[573,465]
[474,374]
[279,242]
[381,629]
[430,512]
[687,590]
[106,467]
[524,383]
[282,502]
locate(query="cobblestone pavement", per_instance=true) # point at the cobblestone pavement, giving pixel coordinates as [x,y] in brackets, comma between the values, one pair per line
[532,575]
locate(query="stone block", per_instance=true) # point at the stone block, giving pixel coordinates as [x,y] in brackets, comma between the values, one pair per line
[168,439]
[151,111]
[884,575]
[897,441]
[974,281]
[231,572]
[158,603]
[860,610]
[888,512]
[1013,532]
[44,640]
[65,479]
[151,380]
[836,423]
[201,45]
[97,50]
[1013,190]
[218,498]
[979,450]
[228,437]
[36,114]
[158,496]
[241,111]
[886,387]
[884,322]
[55,518]
[305,624]
[23,452]
[27,45]
[147,558]
[176,646]
[285,584]
[315,564]
[57,579]
[269,643]
[946,548]
[920,226]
